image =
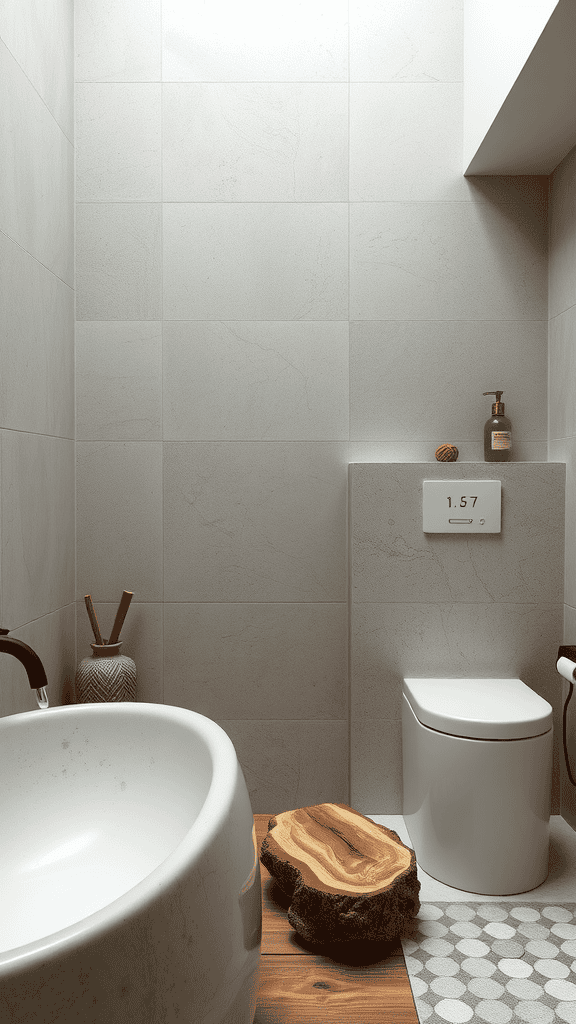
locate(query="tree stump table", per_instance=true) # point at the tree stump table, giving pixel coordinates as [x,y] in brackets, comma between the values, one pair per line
[348,878]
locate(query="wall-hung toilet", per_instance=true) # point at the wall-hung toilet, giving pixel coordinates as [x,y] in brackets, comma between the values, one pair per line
[477,776]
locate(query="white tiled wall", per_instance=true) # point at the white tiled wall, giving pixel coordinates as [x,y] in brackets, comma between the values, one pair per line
[562,405]
[280,270]
[37,344]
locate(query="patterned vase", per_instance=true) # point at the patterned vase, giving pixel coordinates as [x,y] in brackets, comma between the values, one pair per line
[106,676]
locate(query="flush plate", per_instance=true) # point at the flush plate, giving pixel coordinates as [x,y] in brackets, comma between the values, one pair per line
[461,506]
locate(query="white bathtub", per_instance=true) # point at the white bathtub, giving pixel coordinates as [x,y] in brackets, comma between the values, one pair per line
[129,867]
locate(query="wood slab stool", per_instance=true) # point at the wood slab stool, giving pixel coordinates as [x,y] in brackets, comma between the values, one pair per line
[348,878]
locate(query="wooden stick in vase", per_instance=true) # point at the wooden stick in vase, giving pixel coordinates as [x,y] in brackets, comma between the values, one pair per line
[93,620]
[120,616]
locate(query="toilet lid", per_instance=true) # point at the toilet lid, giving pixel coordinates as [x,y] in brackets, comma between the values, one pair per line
[487,709]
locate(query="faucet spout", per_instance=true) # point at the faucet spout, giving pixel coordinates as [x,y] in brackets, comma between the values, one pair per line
[32,664]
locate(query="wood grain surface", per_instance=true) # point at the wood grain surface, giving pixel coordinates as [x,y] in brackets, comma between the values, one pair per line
[305,983]
[347,877]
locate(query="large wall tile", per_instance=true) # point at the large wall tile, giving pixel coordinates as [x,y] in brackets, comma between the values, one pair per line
[257,661]
[119,519]
[36,170]
[37,525]
[395,561]
[36,345]
[406,142]
[424,380]
[254,521]
[376,759]
[118,137]
[569,624]
[255,142]
[445,261]
[564,450]
[293,41]
[291,764]
[118,261]
[255,380]
[416,41]
[562,368]
[562,255]
[118,40]
[521,198]
[561,181]
[119,380]
[255,261]
[41,38]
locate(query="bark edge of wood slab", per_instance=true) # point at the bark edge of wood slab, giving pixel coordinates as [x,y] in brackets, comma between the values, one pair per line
[347,877]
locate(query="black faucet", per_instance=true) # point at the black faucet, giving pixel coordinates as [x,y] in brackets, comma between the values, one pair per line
[32,664]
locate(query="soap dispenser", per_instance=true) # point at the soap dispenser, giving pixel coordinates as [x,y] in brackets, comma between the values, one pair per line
[497,432]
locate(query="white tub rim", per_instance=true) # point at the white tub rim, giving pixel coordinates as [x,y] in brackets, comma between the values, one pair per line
[209,822]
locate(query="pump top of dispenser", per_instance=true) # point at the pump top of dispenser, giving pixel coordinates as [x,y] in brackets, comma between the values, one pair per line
[497,406]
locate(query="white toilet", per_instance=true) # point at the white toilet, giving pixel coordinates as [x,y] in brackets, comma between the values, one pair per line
[477,775]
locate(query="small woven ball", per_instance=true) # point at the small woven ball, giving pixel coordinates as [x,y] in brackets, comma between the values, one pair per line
[447,453]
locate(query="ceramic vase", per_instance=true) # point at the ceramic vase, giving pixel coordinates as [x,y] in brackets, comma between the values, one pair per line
[106,676]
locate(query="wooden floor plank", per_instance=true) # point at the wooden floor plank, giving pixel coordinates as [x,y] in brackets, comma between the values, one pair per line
[312,990]
[302,983]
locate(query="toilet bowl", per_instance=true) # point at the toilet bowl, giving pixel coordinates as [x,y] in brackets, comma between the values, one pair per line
[477,775]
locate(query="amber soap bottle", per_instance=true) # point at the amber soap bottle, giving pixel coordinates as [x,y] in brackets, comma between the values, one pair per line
[497,432]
